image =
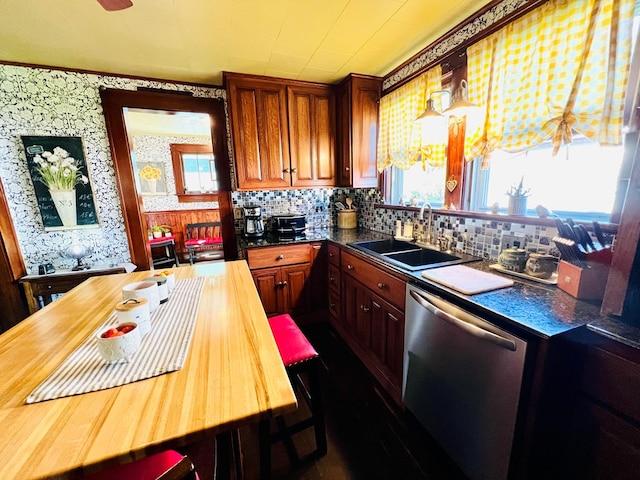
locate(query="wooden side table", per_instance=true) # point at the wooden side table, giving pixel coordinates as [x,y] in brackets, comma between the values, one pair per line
[39,288]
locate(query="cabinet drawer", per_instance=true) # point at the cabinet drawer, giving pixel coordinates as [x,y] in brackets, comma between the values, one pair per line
[384,284]
[278,256]
[613,380]
[334,278]
[333,254]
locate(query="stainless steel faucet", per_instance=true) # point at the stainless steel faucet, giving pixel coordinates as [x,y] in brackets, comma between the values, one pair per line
[428,236]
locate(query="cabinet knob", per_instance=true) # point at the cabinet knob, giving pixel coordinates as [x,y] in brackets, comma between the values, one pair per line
[382,285]
[331,254]
[294,170]
[333,305]
[364,309]
[332,279]
[350,267]
[286,170]
[347,168]
[281,284]
[280,257]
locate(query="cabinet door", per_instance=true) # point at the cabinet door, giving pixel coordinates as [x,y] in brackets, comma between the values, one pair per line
[364,302]
[312,135]
[387,338]
[365,97]
[350,304]
[296,288]
[269,285]
[260,132]
[358,98]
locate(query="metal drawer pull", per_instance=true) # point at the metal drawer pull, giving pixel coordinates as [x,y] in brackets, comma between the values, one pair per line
[382,285]
[280,257]
[350,267]
[467,327]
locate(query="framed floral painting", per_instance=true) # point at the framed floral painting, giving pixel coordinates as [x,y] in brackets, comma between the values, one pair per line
[60,177]
[152,178]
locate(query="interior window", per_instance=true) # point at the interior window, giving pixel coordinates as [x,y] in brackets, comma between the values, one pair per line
[579,182]
[194,171]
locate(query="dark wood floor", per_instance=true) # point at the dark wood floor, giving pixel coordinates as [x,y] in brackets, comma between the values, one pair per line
[368,438]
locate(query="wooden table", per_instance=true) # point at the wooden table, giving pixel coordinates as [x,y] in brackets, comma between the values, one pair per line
[233,376]
[61,281]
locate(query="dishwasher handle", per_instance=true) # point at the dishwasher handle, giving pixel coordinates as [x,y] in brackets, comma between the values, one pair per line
[467,327]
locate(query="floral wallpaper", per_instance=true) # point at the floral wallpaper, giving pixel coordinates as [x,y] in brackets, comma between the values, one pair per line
[156,148]
[40,101]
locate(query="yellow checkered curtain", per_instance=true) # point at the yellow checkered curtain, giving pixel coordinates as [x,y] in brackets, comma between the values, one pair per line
[562,67]
[399,139]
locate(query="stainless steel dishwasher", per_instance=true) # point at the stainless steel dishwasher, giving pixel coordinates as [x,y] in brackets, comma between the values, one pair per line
[462,378]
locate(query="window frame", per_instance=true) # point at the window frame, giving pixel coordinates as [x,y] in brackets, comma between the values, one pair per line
[177,152]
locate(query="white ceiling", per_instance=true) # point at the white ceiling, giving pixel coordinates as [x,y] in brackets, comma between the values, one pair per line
[196,40]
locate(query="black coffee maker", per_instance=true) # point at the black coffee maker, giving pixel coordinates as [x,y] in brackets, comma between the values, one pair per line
[253,225]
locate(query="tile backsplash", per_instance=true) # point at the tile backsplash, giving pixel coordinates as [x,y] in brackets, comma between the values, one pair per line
[480,237]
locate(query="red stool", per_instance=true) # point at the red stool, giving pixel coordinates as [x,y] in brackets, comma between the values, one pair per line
[298,356]
[167,465]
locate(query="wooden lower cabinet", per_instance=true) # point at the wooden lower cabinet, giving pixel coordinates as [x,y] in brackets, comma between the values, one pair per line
[283,289]
[289,279]
[603,441]
[371,324]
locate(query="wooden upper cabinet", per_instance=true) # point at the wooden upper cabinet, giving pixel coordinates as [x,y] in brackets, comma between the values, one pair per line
[283,132]
[259,126]
[358,106]
[312,135]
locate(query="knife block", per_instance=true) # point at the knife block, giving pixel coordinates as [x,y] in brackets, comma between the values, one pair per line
[586,283]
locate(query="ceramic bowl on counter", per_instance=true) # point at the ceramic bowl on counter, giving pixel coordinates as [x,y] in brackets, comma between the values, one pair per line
[118,342]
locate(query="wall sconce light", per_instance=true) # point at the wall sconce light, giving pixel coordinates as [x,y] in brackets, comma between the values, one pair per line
[461,105]
[433,123]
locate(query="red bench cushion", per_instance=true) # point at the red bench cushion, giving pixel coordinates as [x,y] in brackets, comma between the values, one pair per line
[199,242]
[292,344]
[148,468]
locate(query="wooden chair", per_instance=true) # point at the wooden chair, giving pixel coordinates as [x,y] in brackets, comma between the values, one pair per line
[204,241]
[167,465]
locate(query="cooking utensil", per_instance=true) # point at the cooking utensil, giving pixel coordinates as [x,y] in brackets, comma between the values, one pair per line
[597,229]
[340,205]
[349,203]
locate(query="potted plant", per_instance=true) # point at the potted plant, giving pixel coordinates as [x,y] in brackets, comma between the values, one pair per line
[518,199]
[166,229]
[157,231]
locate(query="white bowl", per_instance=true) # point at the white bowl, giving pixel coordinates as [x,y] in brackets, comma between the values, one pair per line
[119,347]
[148,290]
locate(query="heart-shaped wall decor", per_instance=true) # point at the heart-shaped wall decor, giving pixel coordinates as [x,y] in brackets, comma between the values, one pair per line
[452,183]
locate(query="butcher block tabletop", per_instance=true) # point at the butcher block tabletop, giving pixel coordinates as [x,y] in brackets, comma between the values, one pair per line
[232,376]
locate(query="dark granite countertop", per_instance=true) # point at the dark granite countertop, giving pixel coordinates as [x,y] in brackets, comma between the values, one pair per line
[539,309]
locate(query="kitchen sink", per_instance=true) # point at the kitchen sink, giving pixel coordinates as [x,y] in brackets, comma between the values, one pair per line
[386,246]
[411,256]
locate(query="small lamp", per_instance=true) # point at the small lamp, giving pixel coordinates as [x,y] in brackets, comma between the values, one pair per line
[461,105]
[433,124]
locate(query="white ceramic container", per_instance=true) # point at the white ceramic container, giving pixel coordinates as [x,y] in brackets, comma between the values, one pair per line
[148,290]
[135,310]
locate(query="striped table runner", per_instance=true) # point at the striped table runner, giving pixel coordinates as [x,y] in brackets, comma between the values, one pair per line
[164,349]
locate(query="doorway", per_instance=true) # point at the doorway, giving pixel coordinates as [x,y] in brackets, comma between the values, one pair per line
[114,103]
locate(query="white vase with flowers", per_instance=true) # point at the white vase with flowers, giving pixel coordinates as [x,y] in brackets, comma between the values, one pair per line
[60,173]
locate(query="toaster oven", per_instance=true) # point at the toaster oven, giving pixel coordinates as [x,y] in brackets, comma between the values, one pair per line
[289,224]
